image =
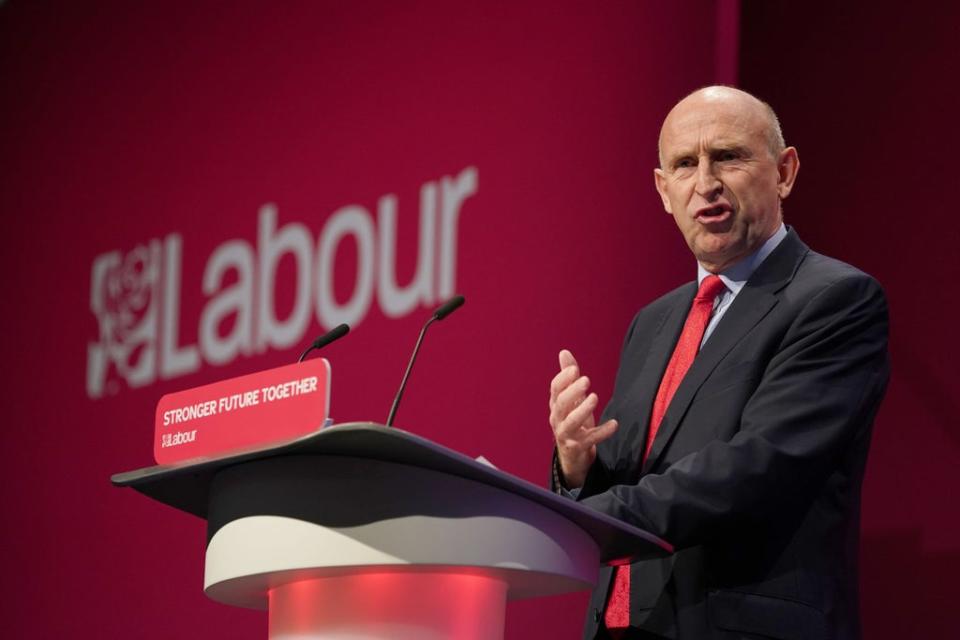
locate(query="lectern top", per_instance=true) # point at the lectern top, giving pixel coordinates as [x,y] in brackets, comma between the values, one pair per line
[185,486]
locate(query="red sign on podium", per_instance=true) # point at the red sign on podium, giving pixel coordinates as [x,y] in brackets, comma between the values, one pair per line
[251,411]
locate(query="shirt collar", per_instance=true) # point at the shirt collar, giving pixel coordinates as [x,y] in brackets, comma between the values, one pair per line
[736,276]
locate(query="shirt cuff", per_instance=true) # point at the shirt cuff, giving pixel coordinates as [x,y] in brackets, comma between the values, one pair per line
[558,481]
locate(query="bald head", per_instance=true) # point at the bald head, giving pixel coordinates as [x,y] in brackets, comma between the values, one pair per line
[724,174]
[719,96]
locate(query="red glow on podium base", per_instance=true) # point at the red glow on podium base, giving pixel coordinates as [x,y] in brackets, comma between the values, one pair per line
[396,605]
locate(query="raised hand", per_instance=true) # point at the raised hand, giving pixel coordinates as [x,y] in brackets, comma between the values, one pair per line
[571,417]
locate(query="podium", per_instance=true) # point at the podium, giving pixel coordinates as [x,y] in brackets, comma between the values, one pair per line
[365,531]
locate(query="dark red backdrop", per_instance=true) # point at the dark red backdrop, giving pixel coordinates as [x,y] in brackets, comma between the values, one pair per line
[867,93]
[123,124]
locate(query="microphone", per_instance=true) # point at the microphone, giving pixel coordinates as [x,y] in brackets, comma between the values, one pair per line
[442,312]
[334,334]
[449,307]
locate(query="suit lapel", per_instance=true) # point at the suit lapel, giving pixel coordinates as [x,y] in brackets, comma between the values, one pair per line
[754,301]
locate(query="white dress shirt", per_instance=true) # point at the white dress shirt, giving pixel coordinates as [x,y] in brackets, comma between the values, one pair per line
[735,277]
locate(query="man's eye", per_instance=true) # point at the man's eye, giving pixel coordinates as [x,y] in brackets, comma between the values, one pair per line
[686,163]
[727,156]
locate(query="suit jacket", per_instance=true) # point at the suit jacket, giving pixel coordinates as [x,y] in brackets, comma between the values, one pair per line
[756,469]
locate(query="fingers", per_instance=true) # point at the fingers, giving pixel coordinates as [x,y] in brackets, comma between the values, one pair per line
[601,433]
[567,359]
[568,398]
[571,408]
[569,370]
[561,381]
[580,417]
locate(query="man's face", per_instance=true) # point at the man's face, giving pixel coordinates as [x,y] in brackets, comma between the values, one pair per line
[720,179]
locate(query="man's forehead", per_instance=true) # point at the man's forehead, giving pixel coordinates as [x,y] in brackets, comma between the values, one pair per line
[695,119]
[710,125]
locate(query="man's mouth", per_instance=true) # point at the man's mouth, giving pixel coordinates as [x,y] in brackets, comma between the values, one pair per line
[713,214]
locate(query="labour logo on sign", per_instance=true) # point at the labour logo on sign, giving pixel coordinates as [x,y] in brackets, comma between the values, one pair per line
[135,296]
[124,298]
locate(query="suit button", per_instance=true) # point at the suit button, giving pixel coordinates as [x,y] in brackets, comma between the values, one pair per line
[596,615]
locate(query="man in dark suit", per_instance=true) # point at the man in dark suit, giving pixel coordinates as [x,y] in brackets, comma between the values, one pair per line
[741,416]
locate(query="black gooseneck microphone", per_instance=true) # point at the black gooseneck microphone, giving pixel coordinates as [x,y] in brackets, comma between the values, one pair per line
[442,312]
[334,334]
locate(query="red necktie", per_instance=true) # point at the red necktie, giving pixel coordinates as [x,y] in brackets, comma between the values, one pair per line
[617,616]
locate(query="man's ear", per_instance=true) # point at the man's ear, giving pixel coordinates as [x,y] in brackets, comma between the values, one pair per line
[787,167]
[660,180]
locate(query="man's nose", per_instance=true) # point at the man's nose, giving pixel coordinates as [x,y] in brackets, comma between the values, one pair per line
[708,184]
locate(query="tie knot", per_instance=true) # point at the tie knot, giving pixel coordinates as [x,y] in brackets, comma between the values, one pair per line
[710,288]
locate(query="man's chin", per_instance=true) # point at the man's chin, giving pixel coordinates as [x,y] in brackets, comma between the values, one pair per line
[717,258]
